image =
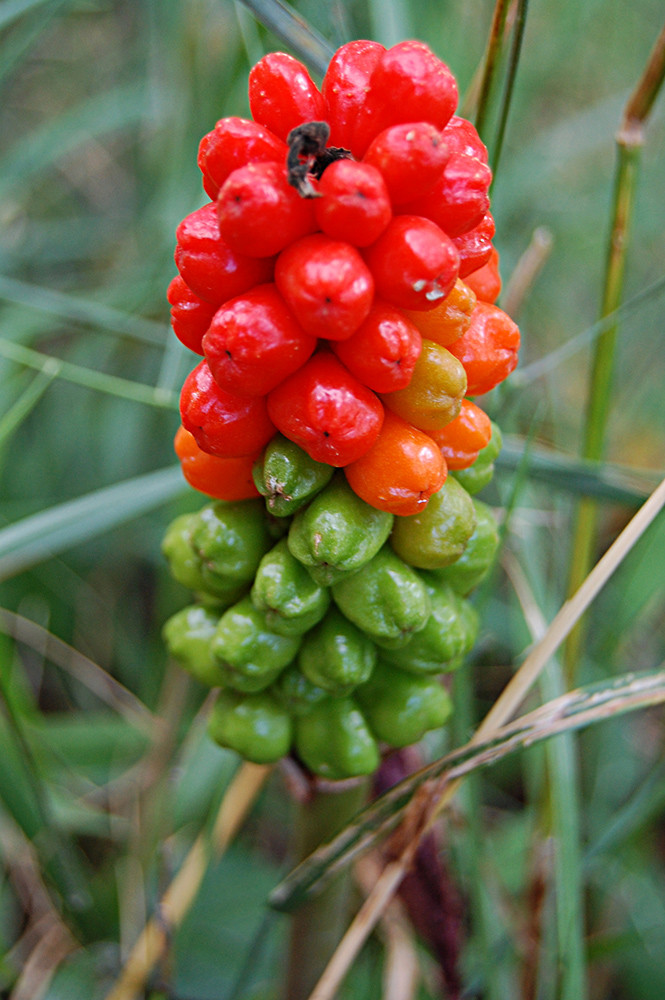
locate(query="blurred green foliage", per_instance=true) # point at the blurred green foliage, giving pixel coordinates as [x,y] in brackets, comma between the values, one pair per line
[103,103]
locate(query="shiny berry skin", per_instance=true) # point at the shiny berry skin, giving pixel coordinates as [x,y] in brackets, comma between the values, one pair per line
[190,315]
[462,439]
[209,266]
[434,395]
[383,352]
[254,342]
[327,284]
[488,350]
[401,471]
[450,319]
[459,200]
[461,137]
[414,263]
[486,281]
[260,213]
[411,158]
[354,205]
[223,424]
[233,143]
[326,411]
[221,478]
[345,89]
[475,247]
[408,84]
[282,94]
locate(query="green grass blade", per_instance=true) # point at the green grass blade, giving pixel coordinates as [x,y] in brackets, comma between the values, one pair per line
[577,476]
[83,311]
[292,29]
[41,536]
[390,20]
[113,385]
[21,40]
[572,711]
[491,65]
[515,52]
[12,10]
[25,404]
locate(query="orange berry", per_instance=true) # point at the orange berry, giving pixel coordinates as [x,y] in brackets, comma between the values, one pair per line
[450,319]
[488,350]
[461,440]
[221,478]
[486,282]
[401,471]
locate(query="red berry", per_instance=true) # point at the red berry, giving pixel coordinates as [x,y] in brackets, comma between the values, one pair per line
[383,352]
[190,315]
[345,89]
[414,263]
[224,425]
[475,247]
[222,478]
[461,137]
[326,411]
[459,199]
[486,281]
[408,84]
[254,342]
[207,263]
[282,94]
[327,284]
[354,205]
[488,349]
[411,158]
[260,213]
[234,143]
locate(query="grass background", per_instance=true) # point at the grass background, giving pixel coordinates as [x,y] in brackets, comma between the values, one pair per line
[102,106]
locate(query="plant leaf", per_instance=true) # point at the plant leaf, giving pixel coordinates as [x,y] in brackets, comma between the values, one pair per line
[291,28]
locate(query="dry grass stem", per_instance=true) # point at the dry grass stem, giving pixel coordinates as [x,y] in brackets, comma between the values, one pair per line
[421,816]
[184,888]
[527,270]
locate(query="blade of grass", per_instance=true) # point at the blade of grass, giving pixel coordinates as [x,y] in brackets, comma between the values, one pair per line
[492,59]
[181,893]
[83,311]
[41,536]
[581,340]
[11,10]
[630,140]
[25,404]
[607,482]
[20,41]
[390,21]
[124,388]
[291,28]
[513,63]
[382,814]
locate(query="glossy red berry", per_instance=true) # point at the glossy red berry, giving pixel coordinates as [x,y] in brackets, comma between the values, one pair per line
[461,137]
[414,263]
[486,281]
[345,89]
[190,315]
[254,342]
[260,213]
[383,352]
[223,424]
[411,158]
[354,205]
[475,247]
[327,284]
[209,266]
[233,143]
[326,411]
[282,94]
[459,199]
[408,84]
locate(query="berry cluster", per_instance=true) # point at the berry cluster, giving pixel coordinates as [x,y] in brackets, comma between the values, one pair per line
[323,284]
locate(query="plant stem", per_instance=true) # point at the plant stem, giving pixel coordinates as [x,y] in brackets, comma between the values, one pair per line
[630,140]
[491,63]
[515,52]
[319,923]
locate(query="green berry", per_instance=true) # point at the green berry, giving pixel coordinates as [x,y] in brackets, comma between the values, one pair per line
[296,693]
[437,535]
[288,596]
[254,725]
[333,740]
[230,540]
[250,655]
[473,565]
[401,708]
[386,599]
[336,655]
[188,635]
[287,477]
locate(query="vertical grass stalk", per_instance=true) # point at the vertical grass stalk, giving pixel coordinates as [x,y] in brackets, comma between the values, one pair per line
[630,139]
[491,64]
